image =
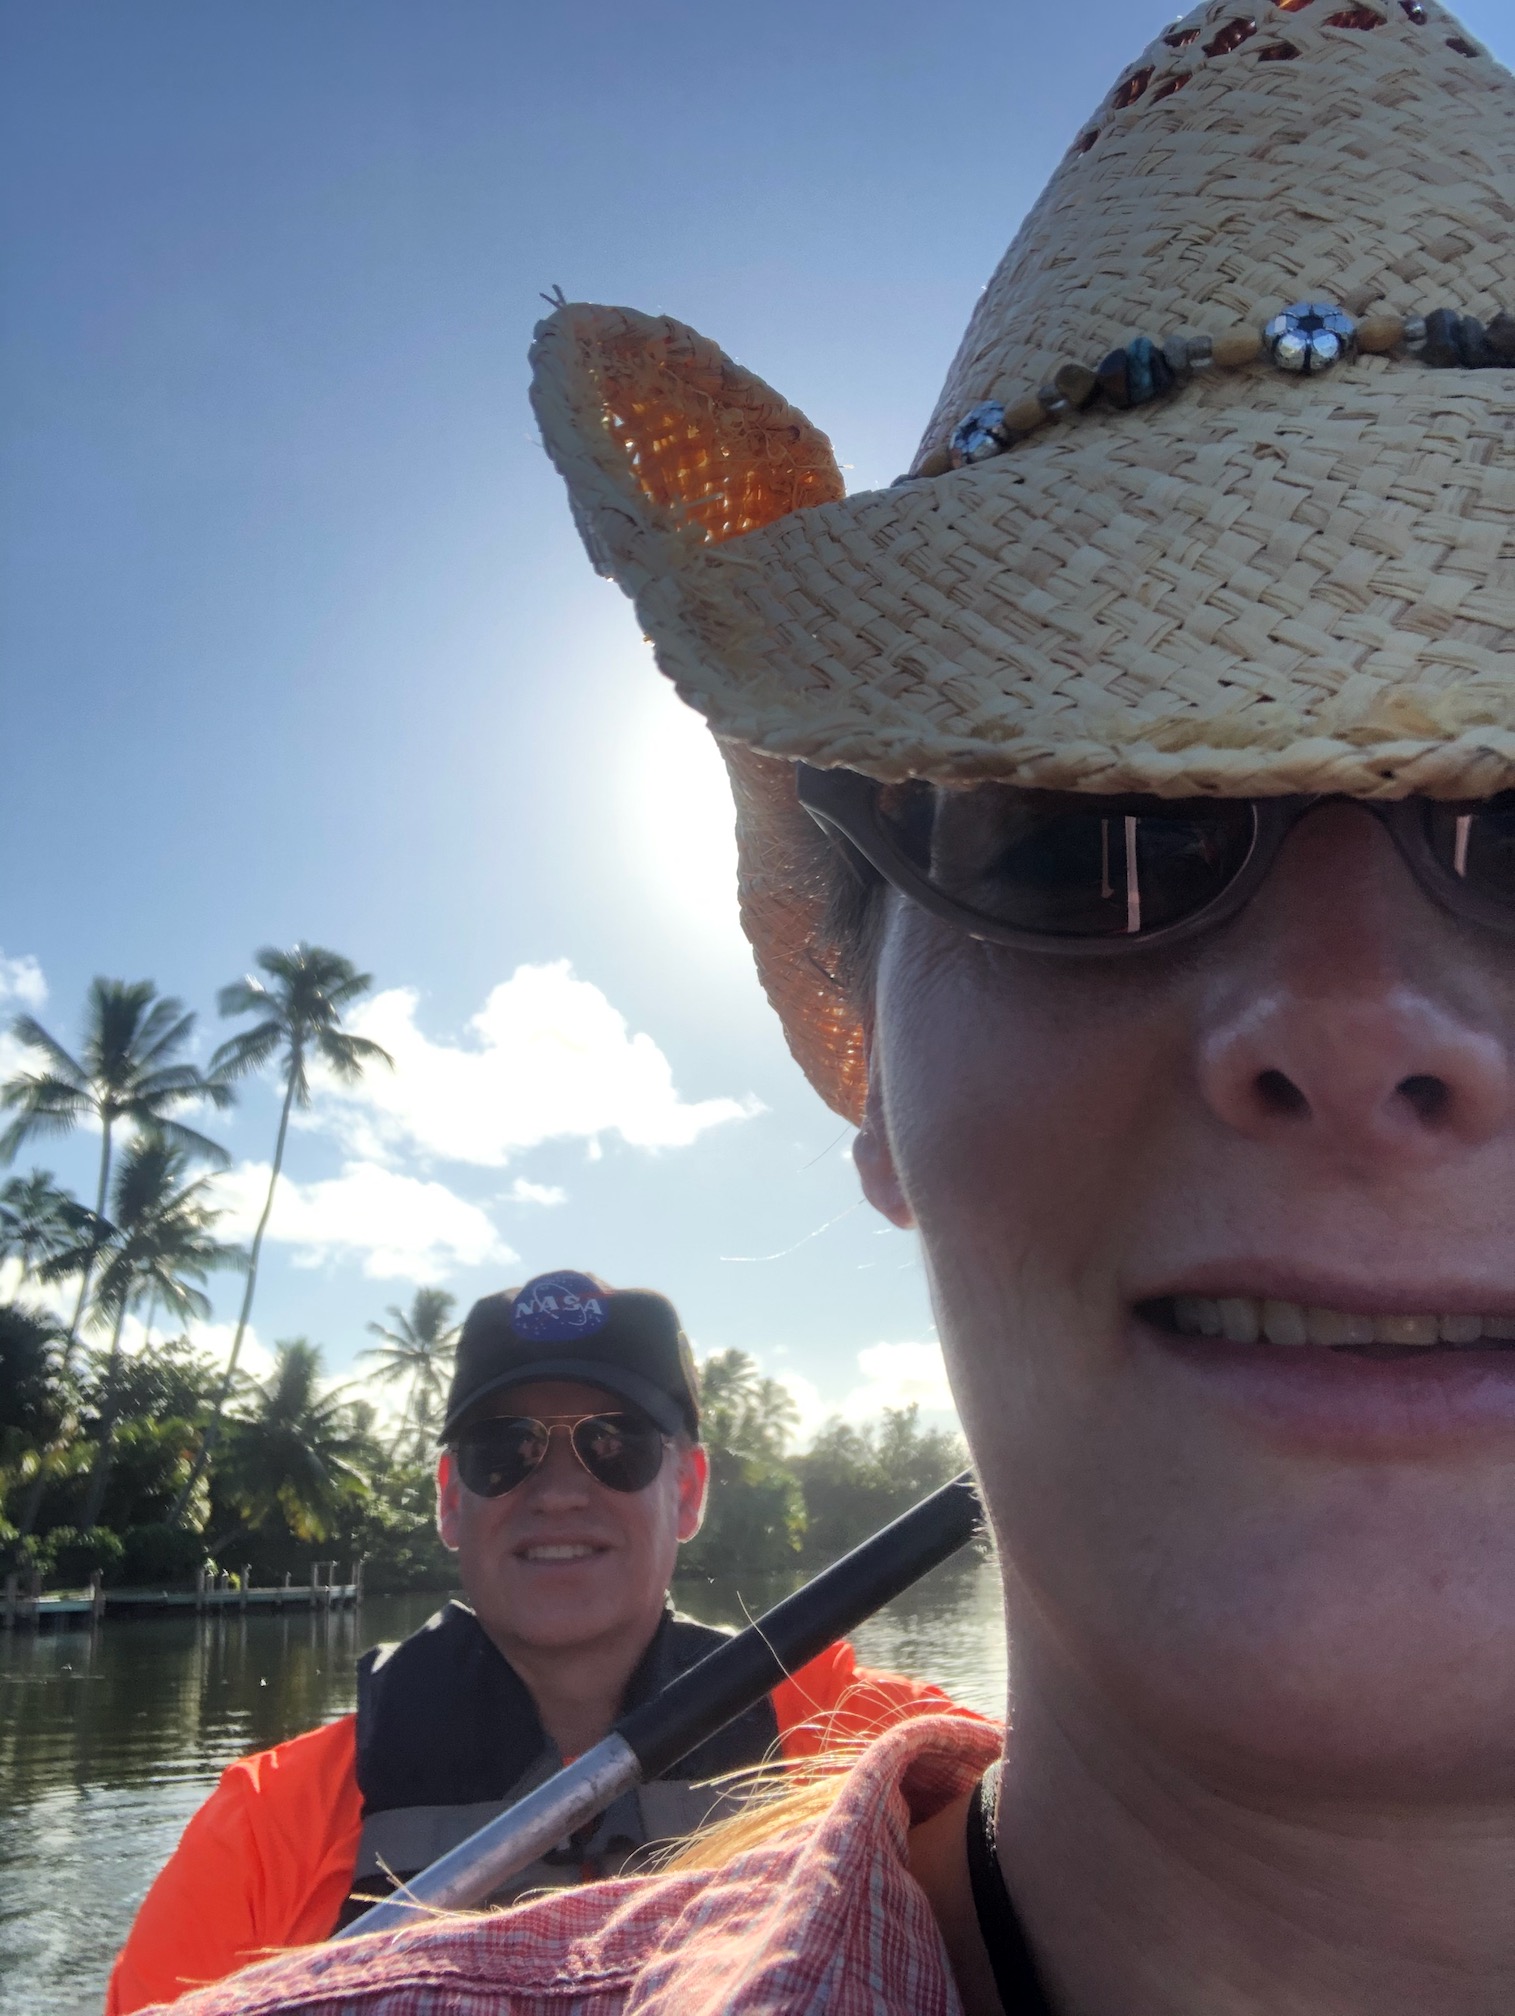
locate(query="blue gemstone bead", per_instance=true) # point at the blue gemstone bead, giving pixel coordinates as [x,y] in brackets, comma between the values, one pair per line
[1139,381]
[979,434]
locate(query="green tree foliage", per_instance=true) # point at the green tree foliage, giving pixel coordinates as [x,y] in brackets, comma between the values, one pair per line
[416,1352]
[288,1466]
[298,1009]
[394,1531]
[158,1242]
[171,1380]
[158,1396]
[32,1402]
[755,1520]
[38,1220]
[856,1479]
[128,1071]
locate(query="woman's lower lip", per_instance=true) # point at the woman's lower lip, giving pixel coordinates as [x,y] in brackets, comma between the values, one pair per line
[1398,1401]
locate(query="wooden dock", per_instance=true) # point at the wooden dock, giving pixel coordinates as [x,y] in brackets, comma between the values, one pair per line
[215,1594]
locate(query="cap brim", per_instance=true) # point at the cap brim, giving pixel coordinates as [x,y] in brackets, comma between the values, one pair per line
[652,1400]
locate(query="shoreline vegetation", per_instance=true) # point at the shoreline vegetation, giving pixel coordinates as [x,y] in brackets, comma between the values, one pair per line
[152,1466]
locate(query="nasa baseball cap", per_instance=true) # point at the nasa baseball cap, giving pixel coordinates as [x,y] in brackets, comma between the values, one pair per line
[572,1326]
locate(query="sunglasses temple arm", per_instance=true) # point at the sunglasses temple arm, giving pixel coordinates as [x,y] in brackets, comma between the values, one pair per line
[724,1685]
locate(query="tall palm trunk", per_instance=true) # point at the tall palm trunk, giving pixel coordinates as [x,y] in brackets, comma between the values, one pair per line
[394,1447]
[32,1504]
[212,1433]
[99,1475]
[101,1193]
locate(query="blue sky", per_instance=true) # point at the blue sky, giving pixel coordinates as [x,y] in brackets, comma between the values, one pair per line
[296,639]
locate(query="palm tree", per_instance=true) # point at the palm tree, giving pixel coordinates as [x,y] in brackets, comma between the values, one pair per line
[126,1071]
[289,1452]
[418,1353]
[299,1009]
[38,1219]
[158,1242]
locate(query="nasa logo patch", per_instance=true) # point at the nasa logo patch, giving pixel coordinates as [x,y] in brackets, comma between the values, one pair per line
[557,1308]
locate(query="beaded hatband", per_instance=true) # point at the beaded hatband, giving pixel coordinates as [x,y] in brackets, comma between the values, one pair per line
[1306,339]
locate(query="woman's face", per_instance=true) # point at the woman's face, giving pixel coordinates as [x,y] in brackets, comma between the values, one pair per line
[1274,1556]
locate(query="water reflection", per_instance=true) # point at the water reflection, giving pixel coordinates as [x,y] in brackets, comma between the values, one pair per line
[109,1740]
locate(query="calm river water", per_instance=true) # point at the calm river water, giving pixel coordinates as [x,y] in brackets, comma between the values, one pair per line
[110,1739]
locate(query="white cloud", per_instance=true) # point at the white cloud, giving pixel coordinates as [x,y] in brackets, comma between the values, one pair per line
[522,1191]
[896,1375]
[811,1408]
[55,1296]
[215,1339]
[403,1228]
[21,982]
[22,990]
[548,1058]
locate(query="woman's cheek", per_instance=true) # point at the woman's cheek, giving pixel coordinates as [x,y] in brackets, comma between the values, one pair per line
[1019,1115]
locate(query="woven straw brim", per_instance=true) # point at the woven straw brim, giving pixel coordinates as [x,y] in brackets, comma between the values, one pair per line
[1268,587]
[1307,589]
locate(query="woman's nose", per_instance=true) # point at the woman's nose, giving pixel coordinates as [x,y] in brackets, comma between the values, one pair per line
[1330,1028]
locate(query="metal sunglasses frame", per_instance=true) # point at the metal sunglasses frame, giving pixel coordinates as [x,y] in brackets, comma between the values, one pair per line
[845,805]
[551,1424]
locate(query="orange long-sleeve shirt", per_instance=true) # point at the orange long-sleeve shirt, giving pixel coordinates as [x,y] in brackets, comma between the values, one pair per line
[268,1860]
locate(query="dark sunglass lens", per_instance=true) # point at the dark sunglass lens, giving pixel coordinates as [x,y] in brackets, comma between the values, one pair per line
[1476,845]
[619,1451]
[496,1456]
[1065,867]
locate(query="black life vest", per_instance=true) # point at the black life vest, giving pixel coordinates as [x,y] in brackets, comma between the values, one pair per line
[448,1736]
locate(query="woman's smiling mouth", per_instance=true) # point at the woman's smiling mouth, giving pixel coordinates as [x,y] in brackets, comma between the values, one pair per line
[1381,1381]
[1252,1319]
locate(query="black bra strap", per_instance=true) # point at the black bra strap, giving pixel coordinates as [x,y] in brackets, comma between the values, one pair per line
[1020,1992]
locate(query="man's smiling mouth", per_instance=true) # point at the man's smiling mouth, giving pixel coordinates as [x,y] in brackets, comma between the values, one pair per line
[558,1550]
[1250,1319]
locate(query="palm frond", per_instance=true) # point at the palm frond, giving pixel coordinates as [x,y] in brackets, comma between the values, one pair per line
[91,1233]
[349,1056]
[248,1051]
[45,1092]
[29,1032]
[247,996]
[165,1029]
[48,1107]
[169,1081]
[192,1141]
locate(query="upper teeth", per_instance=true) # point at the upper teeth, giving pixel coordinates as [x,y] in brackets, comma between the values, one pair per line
[568,1551]
[1243,1319]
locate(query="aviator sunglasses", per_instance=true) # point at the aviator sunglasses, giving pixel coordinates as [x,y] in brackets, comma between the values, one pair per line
[1083,876]
[624,1452]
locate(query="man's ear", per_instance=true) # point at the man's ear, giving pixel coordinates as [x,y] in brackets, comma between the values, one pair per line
[694,1484]
[874,1156]
[449,1502]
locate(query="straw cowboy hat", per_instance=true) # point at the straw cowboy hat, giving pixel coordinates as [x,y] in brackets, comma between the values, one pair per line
[1217,499]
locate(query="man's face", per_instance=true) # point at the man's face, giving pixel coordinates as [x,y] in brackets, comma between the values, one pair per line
[563,1561]
[1278,1557]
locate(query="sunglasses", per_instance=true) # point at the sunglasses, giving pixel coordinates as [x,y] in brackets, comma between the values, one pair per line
[1082,876]
[624,1452]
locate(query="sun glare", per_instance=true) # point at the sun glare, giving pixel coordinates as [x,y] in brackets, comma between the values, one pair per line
[678,818]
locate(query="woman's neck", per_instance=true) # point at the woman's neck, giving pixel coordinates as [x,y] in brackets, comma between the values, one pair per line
[1148,1890]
